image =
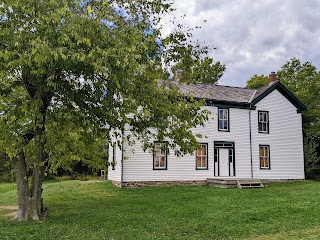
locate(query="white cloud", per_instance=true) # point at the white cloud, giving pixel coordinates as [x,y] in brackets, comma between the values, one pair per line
[254,37]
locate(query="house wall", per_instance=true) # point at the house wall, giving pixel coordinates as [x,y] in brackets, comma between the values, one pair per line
[138,165]
[285,139]
[115,175]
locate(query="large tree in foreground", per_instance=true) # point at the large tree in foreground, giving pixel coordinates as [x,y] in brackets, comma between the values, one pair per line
[72,70]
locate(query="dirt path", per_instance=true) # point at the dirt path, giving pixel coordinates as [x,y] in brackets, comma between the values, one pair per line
[8,211]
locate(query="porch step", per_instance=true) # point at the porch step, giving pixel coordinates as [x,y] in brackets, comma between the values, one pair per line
[249,184]
[222,183]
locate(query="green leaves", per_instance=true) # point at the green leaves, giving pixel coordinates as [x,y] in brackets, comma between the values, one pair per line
[257,81]
[303,79]
[84,68]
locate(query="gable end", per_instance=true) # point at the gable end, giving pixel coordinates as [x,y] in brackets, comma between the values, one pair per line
[285,92]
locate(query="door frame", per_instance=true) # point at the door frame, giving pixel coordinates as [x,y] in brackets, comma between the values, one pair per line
[226,145]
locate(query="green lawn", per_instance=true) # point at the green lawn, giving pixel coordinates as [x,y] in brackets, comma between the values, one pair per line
[102,211]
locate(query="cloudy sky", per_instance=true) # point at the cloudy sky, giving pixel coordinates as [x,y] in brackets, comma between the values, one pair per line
[254,37]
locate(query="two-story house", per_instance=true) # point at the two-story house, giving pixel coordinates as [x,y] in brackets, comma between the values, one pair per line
[251,133]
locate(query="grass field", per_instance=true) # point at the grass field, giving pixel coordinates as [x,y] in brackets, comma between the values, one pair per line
[289,210]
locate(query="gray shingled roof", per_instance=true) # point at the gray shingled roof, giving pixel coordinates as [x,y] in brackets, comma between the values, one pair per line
[234,95]
[263,89]
[217,92]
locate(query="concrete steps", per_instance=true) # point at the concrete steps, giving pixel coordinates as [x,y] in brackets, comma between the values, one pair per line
[236,183]
[249,184]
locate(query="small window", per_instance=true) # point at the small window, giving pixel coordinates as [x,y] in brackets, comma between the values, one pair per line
[202,157]
[114,156]
[263,121]
[160,156]
[264,157]
[223,120]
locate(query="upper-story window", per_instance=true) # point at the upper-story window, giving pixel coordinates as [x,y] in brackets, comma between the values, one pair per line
[223,119]
[263,121]
[160,156]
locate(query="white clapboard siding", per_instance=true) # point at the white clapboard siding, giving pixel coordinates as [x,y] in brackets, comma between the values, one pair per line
[138,165]
[114,175]
[285,139]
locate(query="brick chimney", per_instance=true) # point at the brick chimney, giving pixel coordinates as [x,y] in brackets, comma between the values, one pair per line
[178,74]
[272,78]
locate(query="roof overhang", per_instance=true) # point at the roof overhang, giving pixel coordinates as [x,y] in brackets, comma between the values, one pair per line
[228,104]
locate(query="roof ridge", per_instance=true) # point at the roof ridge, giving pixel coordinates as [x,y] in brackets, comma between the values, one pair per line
[252,97]
[218,85]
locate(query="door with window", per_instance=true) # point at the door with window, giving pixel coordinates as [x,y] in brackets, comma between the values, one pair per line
[224,164]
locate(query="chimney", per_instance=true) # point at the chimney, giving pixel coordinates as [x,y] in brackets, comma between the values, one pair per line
[272,78]
[178,74]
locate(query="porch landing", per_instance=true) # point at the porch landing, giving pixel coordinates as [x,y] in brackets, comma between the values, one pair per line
[233,182]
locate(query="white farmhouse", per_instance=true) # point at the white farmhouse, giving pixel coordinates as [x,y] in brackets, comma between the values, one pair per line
[251,134]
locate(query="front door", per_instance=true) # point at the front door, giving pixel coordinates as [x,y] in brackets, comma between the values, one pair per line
[224,162]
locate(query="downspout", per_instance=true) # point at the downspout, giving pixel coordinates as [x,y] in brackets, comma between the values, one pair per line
[250,141]
[122,157]
[250,135]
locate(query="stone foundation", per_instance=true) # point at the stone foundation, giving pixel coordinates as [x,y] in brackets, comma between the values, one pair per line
[160,183]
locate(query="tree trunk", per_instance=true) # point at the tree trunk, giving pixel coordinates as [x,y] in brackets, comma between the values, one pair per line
[22,187]
[37,209]
[30,202]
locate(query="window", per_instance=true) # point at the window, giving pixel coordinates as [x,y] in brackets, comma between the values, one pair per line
[223,120]
[160,156]
[202,156]
[113,163]
[263,121]
[264,156]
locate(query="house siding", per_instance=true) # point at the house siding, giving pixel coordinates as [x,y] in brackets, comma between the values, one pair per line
[115,175]
[138,165]
[285,139]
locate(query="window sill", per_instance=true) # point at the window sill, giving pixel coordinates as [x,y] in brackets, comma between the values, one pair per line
[223,130]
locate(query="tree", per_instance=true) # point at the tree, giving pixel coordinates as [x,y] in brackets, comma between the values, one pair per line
[303,80]
[5,168]
[312,159]
[257,81]
[202,70]
[72,70]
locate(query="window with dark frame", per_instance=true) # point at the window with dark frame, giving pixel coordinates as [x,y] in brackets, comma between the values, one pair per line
[263,121]
[223,120]
[202,157]
[113,163]
[160,156]
[264,156]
